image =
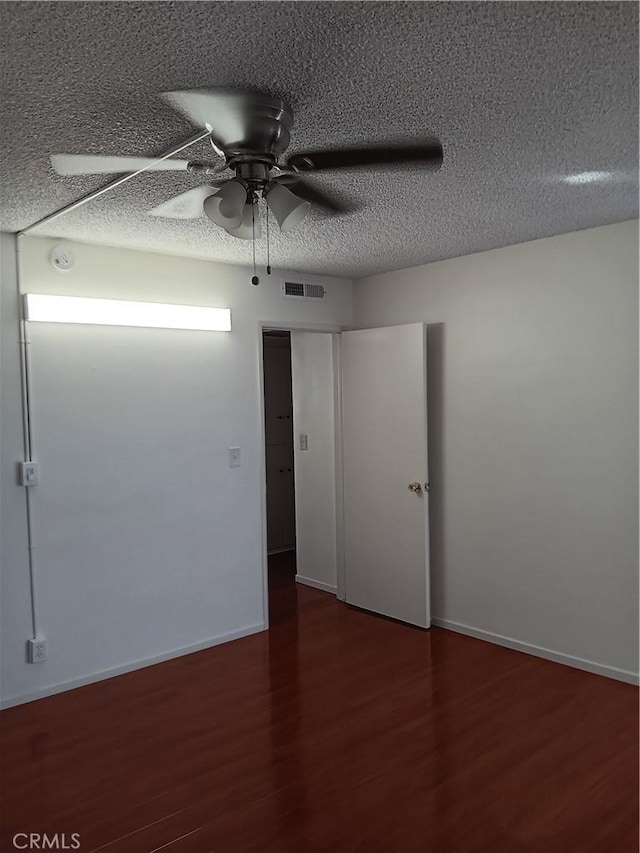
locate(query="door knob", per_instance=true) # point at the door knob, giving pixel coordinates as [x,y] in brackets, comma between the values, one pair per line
[415,487]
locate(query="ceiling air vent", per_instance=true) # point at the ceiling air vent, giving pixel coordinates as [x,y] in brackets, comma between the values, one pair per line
[302,290]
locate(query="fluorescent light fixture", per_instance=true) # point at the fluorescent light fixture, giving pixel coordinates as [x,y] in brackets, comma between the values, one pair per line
[587,177]
[43,308]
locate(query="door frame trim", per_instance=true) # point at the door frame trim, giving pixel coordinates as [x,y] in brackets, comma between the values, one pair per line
[335,331]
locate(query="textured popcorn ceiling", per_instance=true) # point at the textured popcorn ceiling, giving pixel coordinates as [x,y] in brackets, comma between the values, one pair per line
[519,93]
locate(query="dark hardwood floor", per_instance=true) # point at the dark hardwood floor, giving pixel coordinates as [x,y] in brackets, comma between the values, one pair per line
[334,731]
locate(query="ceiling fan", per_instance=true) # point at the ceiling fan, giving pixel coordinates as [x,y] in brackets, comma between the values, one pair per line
[249,134]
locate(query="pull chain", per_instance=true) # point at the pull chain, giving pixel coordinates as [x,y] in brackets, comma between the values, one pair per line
[255,279]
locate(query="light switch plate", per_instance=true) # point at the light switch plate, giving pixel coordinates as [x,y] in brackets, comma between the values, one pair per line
[28,473]
[304,441]
[234,457]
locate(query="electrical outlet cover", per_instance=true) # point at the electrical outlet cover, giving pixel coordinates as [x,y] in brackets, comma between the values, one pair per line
[37,650]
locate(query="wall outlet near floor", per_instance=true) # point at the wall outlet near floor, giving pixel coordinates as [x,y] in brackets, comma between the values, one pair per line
[37,650]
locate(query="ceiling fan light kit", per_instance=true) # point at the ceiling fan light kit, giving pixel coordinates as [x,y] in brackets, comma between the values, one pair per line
[225,208]
[288,208]
[249,228]
[249,133]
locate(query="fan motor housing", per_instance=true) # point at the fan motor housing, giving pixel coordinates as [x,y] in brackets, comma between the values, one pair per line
[258,128]
[252,168]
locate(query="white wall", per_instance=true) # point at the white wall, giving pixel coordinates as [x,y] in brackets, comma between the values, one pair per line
[147,543]
[533,384]
[313,415]
[15,602]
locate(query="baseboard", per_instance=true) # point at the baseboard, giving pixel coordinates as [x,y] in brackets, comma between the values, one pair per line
[20,699]
[325,587]
[538,651]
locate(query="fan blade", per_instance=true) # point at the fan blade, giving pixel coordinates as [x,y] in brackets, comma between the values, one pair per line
[217,111]
[317,197]
[428,154]
[83,164]
[187,205]
[248,121]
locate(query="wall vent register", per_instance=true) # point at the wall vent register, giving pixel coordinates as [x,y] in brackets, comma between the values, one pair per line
[302,290]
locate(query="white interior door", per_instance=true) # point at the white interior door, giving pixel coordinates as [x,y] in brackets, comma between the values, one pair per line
[384,396]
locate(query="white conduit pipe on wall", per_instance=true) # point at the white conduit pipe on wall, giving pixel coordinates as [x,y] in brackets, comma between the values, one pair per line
[25,370]
[27,432]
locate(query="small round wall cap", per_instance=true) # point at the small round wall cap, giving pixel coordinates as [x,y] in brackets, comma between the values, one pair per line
[61,258]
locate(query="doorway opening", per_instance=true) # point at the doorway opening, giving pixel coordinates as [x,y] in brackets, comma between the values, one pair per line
[301,508]
[280,469]
[357,430]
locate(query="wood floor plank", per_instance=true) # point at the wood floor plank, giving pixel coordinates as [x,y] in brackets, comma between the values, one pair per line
[334,731]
